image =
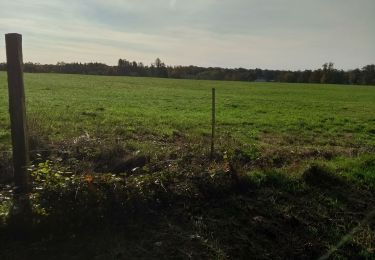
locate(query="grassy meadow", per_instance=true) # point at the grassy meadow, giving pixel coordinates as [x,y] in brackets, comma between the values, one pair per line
[282,122]
[300,160]
[65,106]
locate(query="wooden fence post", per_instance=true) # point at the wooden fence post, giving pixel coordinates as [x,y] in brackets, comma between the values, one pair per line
[213,123]
[17,110]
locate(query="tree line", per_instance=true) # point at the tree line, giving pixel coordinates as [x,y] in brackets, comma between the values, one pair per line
[327,74]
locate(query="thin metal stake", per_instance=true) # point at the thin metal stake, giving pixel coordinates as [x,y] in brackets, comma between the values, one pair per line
[213,123]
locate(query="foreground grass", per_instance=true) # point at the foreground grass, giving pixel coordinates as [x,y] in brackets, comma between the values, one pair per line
[120,170]
[213,214]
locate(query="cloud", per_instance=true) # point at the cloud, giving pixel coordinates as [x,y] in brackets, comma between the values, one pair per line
[289,34]
[172,4]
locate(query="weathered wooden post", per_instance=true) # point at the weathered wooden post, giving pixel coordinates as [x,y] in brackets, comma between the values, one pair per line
[213,124]
[17,110]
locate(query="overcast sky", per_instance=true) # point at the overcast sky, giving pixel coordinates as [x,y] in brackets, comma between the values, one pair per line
[273,34]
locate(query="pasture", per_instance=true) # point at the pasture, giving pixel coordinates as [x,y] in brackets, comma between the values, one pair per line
[283,122]
[300,159]
[65,106]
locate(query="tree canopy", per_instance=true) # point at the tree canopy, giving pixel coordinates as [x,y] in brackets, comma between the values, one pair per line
[328,74]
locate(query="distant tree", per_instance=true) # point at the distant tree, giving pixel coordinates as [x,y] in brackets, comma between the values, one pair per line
[368,75]
[304,76]
[288,76]
[315,76]
[211,74]
[326,74]
[158,63]
[354,76]
[159,69]
[123,67]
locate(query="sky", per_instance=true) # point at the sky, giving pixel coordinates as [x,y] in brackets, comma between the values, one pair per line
[267,34]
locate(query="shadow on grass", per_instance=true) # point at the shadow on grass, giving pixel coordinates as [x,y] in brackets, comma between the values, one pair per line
[262,215]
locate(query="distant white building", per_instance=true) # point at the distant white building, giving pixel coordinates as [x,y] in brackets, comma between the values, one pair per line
[260,80]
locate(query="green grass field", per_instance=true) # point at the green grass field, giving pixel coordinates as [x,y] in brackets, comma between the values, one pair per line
[310,115]
[280,121]
[302,158]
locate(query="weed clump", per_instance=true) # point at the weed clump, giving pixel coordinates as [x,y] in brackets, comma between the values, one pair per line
[321,176]
[266,178]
